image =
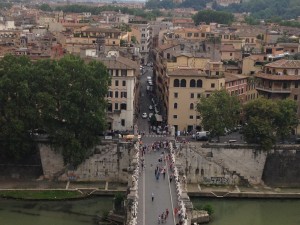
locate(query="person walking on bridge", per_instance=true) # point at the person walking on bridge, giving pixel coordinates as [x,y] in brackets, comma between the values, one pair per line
[152,196]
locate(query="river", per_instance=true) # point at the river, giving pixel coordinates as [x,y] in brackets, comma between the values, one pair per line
[75,212]
[83,212]
[252,212]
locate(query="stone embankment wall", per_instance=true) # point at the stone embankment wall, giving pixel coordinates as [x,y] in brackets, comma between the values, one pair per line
[110,162]
[282,168]
[221,164]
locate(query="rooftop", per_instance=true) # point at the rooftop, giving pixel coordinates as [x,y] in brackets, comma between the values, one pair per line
[283,63]
[277,77]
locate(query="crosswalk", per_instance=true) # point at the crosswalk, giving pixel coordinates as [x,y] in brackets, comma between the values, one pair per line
[155,135]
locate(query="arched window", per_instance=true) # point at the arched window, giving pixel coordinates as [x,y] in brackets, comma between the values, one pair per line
[175,105]
[176,83]
[192,83]
[199,83]
[183,83]
[192,106]
[296,72]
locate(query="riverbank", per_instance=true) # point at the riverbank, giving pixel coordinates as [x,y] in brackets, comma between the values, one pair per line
[195,190]
[47,190]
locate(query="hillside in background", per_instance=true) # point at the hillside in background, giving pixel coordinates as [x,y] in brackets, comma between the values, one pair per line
[266,9]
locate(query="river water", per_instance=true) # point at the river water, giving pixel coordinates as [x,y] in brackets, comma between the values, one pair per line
[79,212]
[83,212]
[252,212]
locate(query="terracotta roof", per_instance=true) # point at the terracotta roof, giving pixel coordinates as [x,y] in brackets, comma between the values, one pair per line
[167,46]
[186,72]
[283,63]
[103,30]
[277,77]
[232,77]
[227,48]
[119,63]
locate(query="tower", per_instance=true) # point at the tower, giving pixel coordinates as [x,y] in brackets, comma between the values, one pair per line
[100,45]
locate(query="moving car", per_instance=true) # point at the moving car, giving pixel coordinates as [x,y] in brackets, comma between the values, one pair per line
[144,115]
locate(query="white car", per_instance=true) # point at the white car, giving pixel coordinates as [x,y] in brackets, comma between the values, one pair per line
[144,115]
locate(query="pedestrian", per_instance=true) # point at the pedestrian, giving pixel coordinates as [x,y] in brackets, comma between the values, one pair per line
[158,219]
[152,196]
[167,212]
[164,173]
[162,217]
[171,178]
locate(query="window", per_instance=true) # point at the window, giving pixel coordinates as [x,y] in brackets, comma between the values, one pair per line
[191,117]
[116,83]
[296,72]
[198,117]
[199,83]
[123,122]
[212,85]
[230,54]
[123,94]
[189,34]
[295,97]
[198,95]
[192,95]
[109,107]
[110,94]
[124,83]
[114,42]
[207,95]
[117,73]
[123,106]
[176,83]
[192,106]
[175,105]
[116,94]
[175,116]
[183,83]
[143,35]
[196,34]
[296,84]
[192,83]
[285,72]
[175,95]
[124,73]
[116,106]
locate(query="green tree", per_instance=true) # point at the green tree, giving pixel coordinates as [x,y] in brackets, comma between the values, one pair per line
[286,119]
[219,111]
[66,98]
[153,120]
[17,116]
[45,7]
[267,120]
[209,16]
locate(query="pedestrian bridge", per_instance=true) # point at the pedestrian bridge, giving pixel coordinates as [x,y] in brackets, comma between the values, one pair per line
[158,192]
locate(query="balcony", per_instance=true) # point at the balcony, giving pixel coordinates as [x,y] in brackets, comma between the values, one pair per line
[286,90]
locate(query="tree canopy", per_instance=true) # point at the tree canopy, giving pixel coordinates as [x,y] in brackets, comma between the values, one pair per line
[268,120]
[219,111]
[266,9]
[65,98]
[209,16]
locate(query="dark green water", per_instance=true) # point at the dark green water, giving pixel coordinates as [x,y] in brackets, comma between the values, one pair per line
[252,212]
[79,212]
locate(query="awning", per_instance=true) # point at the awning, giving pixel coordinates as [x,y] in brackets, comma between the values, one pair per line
[158,118]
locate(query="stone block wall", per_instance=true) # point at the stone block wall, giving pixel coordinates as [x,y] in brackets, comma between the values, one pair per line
[110,162]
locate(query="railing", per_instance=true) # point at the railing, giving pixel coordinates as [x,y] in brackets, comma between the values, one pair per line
[274,90]
[179,190]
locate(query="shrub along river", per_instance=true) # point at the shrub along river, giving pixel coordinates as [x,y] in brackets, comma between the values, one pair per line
[83,212]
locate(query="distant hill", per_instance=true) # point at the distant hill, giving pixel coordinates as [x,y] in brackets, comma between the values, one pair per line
[266,9]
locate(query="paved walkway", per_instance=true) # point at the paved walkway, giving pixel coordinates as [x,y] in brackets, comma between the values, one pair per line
[164,191]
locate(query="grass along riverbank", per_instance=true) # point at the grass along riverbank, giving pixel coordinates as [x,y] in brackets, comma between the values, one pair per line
[40,194]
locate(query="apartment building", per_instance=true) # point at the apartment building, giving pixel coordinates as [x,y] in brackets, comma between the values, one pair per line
[86,37]
[186,87]
[141,31]
[122,97]
[280,80]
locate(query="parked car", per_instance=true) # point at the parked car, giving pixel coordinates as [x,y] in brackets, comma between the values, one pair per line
[202,135]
